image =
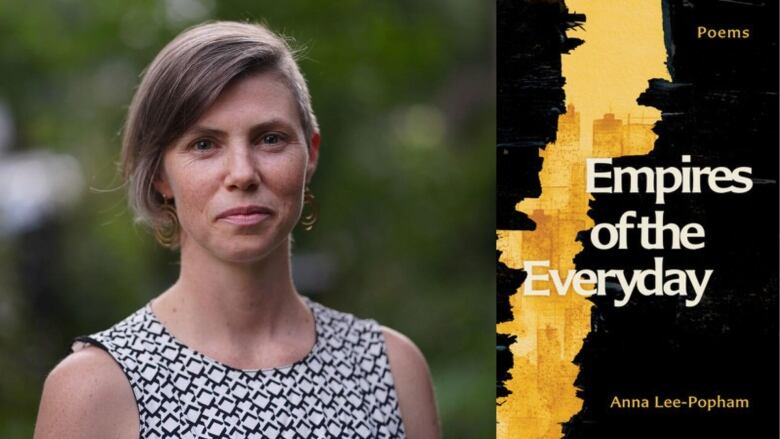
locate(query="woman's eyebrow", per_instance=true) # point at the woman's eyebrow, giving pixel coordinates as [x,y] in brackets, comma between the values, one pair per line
[269,125]
[200,130]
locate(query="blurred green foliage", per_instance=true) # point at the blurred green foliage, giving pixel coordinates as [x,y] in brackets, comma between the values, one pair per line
[404,94]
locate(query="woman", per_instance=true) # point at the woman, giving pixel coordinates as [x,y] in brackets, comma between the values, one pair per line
[219,147]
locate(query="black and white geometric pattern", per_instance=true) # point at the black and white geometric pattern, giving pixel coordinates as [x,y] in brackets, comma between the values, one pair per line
[342,389]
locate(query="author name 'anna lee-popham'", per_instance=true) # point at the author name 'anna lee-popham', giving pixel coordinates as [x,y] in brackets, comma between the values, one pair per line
[651,232]
[694,402]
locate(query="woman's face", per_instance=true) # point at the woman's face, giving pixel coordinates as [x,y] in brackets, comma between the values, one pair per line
[237,175]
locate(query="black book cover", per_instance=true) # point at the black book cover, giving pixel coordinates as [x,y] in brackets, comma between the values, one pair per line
[679,337]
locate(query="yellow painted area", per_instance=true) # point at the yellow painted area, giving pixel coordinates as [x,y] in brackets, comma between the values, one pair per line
[623,49]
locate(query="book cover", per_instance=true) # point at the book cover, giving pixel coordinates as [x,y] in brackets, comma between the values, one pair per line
[637,218]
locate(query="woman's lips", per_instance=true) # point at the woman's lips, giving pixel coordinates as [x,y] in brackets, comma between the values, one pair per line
[245,220]
[245,215]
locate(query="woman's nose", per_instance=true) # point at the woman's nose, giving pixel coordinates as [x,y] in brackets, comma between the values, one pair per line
[242,172]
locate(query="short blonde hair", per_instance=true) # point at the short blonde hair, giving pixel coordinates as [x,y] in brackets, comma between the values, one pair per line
[178,87]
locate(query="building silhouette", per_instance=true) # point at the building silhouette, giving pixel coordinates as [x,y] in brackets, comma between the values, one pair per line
[607,136]
[613,138]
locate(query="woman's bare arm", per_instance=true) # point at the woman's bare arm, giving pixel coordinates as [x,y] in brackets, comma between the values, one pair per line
[413,386]
[87,396]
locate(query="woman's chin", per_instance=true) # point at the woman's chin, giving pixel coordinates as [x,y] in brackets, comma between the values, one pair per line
[248,252]
[235,249]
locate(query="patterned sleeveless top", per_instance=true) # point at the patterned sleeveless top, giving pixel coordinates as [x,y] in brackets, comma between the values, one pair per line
[341,389]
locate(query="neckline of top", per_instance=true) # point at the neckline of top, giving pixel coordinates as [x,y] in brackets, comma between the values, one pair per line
[318,339]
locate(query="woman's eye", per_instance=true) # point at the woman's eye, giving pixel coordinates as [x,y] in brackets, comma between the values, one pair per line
[203,145]
[271,139]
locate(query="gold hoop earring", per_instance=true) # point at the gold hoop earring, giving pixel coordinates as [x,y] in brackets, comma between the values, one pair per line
[166,232]
[309,218]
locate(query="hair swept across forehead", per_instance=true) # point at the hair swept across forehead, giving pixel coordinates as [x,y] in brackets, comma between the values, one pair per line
[182,82]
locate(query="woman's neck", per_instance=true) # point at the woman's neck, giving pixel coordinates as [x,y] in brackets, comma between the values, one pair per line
[255,289]
[220,304]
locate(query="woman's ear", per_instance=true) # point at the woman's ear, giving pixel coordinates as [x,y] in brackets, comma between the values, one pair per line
[162,186]
[314,155]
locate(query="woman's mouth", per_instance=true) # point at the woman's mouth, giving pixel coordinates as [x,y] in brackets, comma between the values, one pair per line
[245,215]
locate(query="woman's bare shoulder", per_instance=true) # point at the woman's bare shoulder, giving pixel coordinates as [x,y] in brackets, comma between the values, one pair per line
[87,396]
[413,385]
